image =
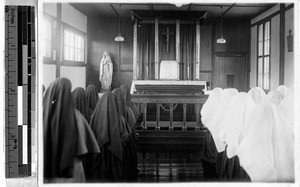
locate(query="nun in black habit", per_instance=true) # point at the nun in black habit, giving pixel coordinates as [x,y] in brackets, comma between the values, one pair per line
[80,102]
[130,115]
[105,124]
[130,144]
[92,96]
[67,136]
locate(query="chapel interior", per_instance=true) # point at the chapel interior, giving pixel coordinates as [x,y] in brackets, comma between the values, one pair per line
[168,59]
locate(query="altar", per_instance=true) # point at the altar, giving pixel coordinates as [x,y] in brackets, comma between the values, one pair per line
[166,84]
[166,97]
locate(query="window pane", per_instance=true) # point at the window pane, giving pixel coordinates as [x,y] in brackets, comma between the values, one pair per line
[82,55]
[71,53]
[260,32]
[259,73]
[266,47]
[66,53]
[76,55]
[71,40]
[66,38]
[260,50]
[267,30]
[266,73]
[81,43]
[73,46]
[47,40]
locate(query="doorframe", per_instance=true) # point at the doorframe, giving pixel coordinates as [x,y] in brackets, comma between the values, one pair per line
[231,54]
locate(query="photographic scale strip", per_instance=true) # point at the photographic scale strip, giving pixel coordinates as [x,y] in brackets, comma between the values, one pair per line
[20,76]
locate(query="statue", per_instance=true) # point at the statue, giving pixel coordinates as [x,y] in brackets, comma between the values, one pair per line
[106,71]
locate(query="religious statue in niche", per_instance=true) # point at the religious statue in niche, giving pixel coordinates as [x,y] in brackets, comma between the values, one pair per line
[290,41]
[106,71]
[167,34]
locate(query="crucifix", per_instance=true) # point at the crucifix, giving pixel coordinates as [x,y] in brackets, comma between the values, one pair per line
[167,34]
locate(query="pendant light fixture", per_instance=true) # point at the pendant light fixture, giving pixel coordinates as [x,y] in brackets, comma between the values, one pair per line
[119,38]
[221,40]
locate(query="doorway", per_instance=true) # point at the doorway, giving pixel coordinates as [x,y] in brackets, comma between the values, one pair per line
[231,71]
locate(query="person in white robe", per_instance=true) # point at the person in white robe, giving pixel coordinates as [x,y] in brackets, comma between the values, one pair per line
[287,108]
[106,71]
[210,106]
[283,90]
[209,153]
[266,151]
[274,97]
[239,109]
[214,126]
[258,94]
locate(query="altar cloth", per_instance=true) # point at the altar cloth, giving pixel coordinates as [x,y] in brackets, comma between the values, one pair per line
[169,70]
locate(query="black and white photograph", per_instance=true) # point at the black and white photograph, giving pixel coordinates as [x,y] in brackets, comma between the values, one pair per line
[139,92]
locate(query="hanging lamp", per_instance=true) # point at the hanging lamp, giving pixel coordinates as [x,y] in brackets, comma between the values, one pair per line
[221,40]
[119,38]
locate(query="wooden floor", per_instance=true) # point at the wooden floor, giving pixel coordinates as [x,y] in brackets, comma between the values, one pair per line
[170,166]
[170,156]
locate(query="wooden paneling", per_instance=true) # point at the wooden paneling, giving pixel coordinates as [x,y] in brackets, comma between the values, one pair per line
[236,33]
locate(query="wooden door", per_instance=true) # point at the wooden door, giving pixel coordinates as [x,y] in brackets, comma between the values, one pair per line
[231,72]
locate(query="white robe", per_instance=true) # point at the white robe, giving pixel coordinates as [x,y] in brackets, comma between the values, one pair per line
[274,97]
[267,150]
[287,109]
[283,90]
[210,106]
[258,95]
[214,125]
[236,115]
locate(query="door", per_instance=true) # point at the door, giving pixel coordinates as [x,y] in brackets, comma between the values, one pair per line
[231,72]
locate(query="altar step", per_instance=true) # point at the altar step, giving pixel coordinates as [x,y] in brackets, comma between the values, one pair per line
[173,140]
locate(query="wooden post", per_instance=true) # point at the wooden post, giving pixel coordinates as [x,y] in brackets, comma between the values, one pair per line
[157,116]
[184,116]
[188,61]
[156,50]
[198,116]
[145,115]
[135,73]
[146,63]
[171,116]
[197,65]
[178,48]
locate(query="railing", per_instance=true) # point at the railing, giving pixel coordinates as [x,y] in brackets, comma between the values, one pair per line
[172,100]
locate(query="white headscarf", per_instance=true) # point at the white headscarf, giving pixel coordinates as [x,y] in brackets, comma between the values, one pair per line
[274,97]
[210,106]
[258,95]
[214,126]
[287,108]
[283,90]
[234,120]
[267,150]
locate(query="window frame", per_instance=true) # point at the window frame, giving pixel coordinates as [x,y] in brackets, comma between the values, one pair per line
[76,32]
[263,56]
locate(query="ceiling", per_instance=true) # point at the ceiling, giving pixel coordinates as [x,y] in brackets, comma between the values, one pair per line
[235,10]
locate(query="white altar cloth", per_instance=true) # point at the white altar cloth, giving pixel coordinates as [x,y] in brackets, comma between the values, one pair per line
[168,70]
